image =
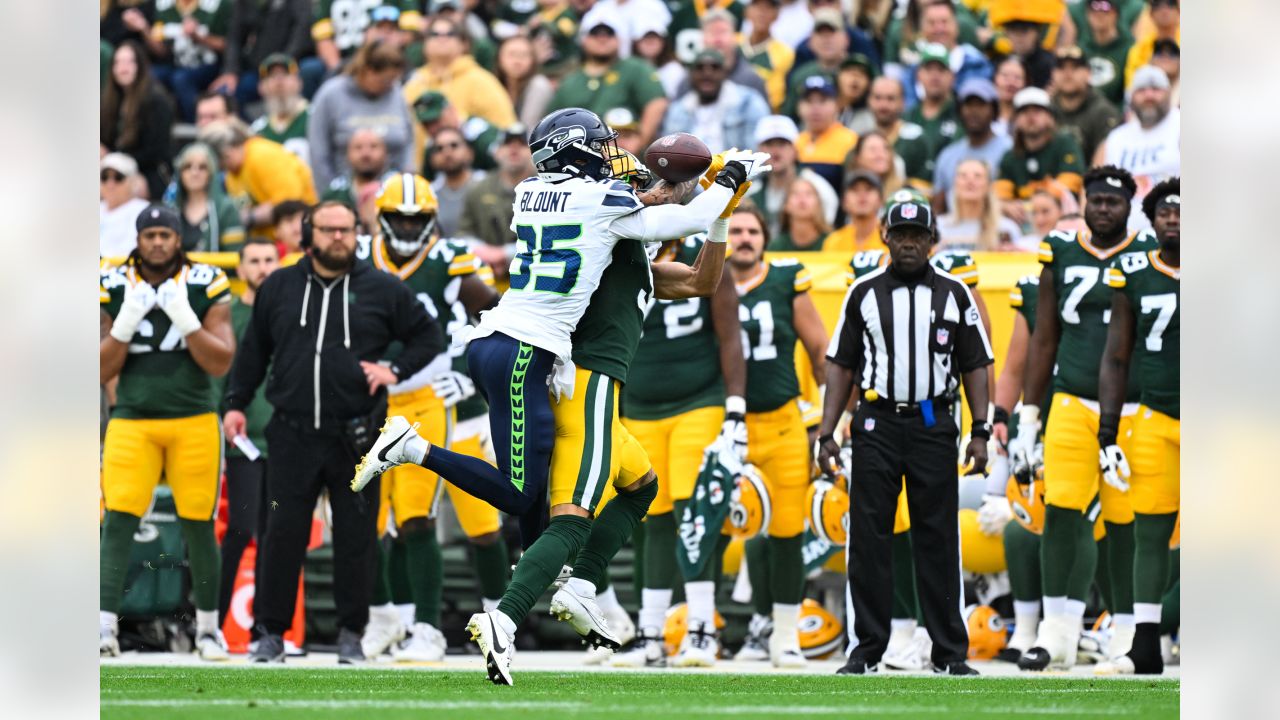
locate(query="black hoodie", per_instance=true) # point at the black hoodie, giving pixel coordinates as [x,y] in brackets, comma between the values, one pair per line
[312,333]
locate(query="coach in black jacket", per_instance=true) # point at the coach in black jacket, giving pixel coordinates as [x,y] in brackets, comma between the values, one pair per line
[320,327]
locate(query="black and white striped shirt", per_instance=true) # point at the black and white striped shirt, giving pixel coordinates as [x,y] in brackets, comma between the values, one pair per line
[900,338]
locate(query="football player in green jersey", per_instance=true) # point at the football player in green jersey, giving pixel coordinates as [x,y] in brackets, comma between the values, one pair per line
[1145,305]
[775,311]
[166,334]
[1066,348]
[444,276]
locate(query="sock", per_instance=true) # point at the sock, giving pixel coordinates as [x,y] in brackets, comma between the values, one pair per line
[381,583]
[398,574]
[607,599]
[660,569]
[541,563]
[488,604]
[904,578]
[425,566]
[653,608]
[1054,606]
[108,621]
[611,530]
[492,563]
[1026,622]
[1146,612]
[786,616]
[701,597]
[506,623]
[1123,620]
[604,584]
[1075,610]
[1058,549]
[1151,535]
[1120,552]
[1022,554]
[1026,609]
[205,566]
[406,612]
[113,558]
[1171,610]
[206,622]
[1102,575]
[581,587]
[757,552]
[385,610]
[640,558]
[415,450]
[903,625]
[787,581]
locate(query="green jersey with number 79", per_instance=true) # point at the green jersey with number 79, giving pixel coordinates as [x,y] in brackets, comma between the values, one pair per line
[1153,290]
[1084,307]
[677,367]
[769,333]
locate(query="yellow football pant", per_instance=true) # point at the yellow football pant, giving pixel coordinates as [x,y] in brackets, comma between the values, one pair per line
[593,450]
[186,451]
[1072,477]
[675,446]
[778,445]
[1155,483]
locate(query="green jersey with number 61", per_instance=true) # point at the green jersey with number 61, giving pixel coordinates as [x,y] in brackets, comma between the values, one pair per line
[1084,307]
[1153,290]
[953,262]
[677,367]
[769,333]
[160,379]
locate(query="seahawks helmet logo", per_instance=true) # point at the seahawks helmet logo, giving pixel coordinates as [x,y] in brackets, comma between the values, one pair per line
[559,140]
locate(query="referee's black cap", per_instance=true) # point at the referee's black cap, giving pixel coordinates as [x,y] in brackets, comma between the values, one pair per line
[910,213]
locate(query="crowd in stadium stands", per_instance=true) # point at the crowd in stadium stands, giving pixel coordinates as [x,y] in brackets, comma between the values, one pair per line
[302,100]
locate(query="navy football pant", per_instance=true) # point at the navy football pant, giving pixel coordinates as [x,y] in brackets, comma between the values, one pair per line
[512,378]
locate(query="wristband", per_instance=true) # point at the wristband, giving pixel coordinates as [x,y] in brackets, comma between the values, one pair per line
[1000,416]
[824,439]
[980,429]
[735,407]
[1108,429]
[1029,415]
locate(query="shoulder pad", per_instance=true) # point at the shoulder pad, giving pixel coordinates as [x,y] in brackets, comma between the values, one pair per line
[910,131]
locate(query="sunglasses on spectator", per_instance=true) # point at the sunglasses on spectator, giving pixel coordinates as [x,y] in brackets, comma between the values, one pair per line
[111,176]
[708,66]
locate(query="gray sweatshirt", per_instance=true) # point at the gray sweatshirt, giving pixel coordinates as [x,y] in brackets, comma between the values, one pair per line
[338,110]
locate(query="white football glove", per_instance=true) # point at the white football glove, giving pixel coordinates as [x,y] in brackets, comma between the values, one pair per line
[1115,467]
[139,299]
[756,163]
[994,514]
[734,429]
[1022,448]
[171,296]
[453,387]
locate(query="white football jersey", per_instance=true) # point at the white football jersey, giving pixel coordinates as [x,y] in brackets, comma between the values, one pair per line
[564,242]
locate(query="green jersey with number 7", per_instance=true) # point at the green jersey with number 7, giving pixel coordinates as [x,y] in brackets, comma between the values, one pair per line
[1153,290]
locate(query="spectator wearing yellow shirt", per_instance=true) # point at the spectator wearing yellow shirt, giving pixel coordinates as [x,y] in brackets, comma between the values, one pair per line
[772,58]
[259,173]
[863,196]
[824,143]
[1166,17]
[450,70]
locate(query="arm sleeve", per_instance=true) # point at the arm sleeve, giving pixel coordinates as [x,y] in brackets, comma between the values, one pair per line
[973,349]
[422,336]
[253,353]
[846,347]
[668,222]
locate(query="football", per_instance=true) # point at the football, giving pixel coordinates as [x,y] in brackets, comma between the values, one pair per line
[678,157]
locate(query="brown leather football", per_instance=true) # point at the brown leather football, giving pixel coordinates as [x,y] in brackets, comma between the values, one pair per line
[678,157]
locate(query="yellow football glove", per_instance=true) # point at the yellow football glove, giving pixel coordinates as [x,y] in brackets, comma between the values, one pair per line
[733,202]
[717,164]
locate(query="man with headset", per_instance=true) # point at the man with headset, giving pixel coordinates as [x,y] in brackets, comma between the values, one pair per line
[321,326]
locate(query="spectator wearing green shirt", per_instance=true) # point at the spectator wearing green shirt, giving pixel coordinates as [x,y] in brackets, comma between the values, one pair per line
[885,100]
[936,111]
[187,40]
[1081,111]
[434,113]
[210,221]
[607,80]
[286,112]
[1106,42]
[1042,157]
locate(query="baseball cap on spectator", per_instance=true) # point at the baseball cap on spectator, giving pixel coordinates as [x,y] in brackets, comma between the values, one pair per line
[384,13]
[858,60]
[1148,76]
[776,127]
[119,162]
[1166,46]
[910,213]
[865,176]
[828,17]
[1103,6]
[516,132]
[818,83]
[1032,97]
[158,216]
[1071,55]
[718,13]
[429,106]
[621,118]
[978,87]
[935,53]
[597,18]
[710,56]
[275,60]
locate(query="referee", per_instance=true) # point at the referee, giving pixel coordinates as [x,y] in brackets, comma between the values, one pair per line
[907,335]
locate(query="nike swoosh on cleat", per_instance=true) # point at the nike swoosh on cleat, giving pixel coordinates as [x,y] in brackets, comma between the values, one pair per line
[498,647]
[382,454]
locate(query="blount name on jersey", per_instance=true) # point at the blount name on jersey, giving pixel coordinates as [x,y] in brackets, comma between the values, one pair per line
[543,201]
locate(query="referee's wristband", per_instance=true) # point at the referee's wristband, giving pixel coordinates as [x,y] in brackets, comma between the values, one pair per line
[823,439]
[980,429]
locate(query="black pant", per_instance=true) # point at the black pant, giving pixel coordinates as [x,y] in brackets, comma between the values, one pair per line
[886,448]
[302,464]
[246,520]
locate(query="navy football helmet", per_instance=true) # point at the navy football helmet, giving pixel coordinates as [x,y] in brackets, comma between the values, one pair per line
[574,142]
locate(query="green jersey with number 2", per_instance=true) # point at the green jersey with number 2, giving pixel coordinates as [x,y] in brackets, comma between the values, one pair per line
[769,334]
[1153,290]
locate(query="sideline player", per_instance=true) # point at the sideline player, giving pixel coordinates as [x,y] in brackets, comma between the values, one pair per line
[1145,313]
[166,333]
[1066,347]
[443,274]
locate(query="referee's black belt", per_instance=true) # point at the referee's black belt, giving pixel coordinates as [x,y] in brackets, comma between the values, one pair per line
[941,404]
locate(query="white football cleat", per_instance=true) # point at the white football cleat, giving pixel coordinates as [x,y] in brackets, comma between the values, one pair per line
[108,643]
[699,648]
[784,652]
[756,646]
[496,647]
[387,452]
[1121,665]
[586,618]
[212,647]
[915,655]
[424,644]
[382,632]
[620,623]
[647,652]
[1121,640]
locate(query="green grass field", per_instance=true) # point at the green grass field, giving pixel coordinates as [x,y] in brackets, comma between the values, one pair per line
[190,693]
